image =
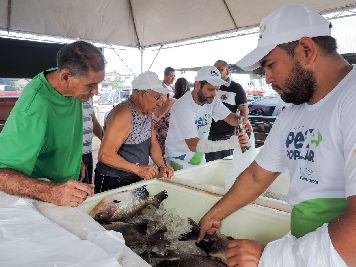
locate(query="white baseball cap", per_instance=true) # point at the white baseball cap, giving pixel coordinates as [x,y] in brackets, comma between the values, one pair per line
[210,74]
[148,80]
[286,24]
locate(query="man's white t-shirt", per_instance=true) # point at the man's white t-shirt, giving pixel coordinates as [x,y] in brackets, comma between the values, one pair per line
[169,87]
[190,120]
[317,143]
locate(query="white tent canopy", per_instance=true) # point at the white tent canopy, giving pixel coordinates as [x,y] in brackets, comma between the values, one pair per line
[141,23]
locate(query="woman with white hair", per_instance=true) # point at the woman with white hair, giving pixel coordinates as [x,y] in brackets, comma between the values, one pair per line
[130,140]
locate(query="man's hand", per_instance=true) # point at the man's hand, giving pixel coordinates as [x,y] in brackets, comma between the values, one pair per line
[147,172]
[208,225]
[247,125]
[71,193]
[243,139]
[243,253]
[166,171]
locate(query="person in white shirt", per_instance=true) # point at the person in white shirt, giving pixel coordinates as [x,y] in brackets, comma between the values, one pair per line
[314,139]
[168,79]
[91,126]
[190,122]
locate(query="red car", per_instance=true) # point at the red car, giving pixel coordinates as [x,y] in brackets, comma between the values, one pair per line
[7,102]
[10,94]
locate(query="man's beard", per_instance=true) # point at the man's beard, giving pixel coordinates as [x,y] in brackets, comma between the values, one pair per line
[203,99]
[299,87]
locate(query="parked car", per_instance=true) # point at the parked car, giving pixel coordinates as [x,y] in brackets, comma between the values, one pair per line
[262,114]
[109,98]
[7,102]
[252,98]
[107,101]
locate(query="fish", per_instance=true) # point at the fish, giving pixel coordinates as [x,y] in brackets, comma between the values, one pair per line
[177,259]
[124,205]
[135,234]
[155,234]
[188,260]
[129,228]
[214,245]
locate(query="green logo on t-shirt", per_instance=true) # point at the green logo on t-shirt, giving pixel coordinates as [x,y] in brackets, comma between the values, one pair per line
[301,144]
[318,139]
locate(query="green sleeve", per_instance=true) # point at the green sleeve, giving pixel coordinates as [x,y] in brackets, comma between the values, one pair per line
[23,138]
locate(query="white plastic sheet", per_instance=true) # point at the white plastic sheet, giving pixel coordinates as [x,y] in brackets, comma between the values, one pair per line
[74,220]
[240,162]
[78,222]
[313,249]
[62,237]
[27,238]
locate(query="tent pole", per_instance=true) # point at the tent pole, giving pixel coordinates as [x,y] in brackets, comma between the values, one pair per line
[155,57]
[230,14]
[8,25]
[123,61]
[141,49]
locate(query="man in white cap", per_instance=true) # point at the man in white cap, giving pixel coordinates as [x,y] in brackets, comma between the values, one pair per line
[129,139]
[314,139]
[190,122]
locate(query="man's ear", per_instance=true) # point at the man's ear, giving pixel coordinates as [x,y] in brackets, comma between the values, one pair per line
[307,51]
[196,85]
[64,76]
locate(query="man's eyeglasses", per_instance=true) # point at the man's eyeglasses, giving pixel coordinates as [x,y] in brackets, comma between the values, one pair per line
[155,97]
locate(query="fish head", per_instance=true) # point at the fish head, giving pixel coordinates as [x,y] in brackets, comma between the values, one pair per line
[193,234]
[129,195]
[158,198]
[105,213]
[212,244]
[123,205]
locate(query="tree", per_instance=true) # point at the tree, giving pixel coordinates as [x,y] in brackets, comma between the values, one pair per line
[117,83]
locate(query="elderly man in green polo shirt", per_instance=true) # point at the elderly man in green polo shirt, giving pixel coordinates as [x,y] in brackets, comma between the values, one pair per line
[42,137]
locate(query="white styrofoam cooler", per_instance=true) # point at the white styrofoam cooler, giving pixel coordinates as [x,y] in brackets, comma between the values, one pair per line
[210,177]
[252,222]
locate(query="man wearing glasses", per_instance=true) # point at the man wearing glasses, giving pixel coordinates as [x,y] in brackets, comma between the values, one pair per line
[129,139]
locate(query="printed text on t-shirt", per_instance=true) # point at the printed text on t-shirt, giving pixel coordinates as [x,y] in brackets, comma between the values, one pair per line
[301,145]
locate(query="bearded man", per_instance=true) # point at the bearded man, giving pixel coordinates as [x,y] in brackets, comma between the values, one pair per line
[190,122]
[314,139]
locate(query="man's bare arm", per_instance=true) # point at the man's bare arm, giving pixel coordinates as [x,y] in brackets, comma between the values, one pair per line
[70,193]
[118,128]
[192,143]
[244,111]
[250,184]
[233,119]
[342,233]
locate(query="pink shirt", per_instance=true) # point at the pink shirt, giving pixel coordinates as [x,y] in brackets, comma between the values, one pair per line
[161,124]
